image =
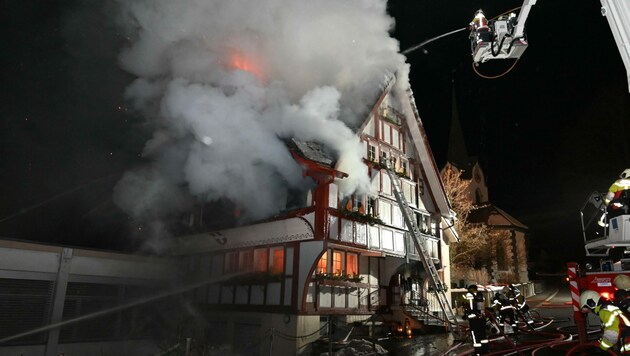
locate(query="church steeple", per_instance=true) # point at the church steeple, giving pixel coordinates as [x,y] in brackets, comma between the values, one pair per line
[456,153]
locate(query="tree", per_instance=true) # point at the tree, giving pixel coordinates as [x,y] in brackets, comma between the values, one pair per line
[476,249]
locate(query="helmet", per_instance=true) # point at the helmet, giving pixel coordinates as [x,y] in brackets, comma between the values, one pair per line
[589,299]
[622,282]
[472,287]
[625,174]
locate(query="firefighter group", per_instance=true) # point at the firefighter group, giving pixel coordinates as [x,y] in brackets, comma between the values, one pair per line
[507,307]
[614,315]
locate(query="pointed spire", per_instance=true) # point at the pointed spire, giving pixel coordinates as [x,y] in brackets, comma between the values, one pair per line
[456,153]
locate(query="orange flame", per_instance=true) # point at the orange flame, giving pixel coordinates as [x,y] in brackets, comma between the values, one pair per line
[239,61]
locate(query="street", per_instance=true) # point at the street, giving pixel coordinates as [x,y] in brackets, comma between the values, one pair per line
[553,304]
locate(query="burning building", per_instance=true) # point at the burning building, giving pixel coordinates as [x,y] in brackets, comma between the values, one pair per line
[346,256]
[288,113]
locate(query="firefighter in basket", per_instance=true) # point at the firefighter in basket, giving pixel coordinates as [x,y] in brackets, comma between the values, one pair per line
[615,325]
[473,304]
[617,198]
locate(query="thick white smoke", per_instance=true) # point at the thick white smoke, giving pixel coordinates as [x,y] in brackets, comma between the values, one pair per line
[223,83]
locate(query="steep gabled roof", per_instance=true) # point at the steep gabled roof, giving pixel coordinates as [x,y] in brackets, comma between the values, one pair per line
[318,153]
[494,217]
[430,172]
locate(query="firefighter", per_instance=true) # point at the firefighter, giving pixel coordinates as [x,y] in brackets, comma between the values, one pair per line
[480,31]
[615,329]
[504,310]
[618,196]
[520,304]
[622,294]
[473,311]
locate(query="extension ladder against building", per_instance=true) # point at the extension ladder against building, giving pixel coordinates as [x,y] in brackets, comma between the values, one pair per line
[425,258]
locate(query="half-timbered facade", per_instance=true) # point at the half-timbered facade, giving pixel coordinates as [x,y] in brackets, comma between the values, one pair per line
[345,256]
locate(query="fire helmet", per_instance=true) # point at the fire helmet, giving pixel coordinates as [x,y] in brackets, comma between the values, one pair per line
[589,299]
[472,288]
[625,174]
[622,282]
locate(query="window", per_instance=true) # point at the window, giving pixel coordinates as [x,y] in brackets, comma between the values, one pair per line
[383,157]
[277,260]
[371,207]
[246,262]
[372,153]
[395,138]
[336,263]
[322,265]
[352,264]
[260,260]
[231,262]
[385,212]
[387,183]
[387,133]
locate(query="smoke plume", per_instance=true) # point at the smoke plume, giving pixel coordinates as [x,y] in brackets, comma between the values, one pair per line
[222,84]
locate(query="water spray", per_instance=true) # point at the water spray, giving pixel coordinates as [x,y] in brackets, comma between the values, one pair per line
[422,44]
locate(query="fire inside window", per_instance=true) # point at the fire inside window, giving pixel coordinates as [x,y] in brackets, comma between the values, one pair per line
[277,261]
[322,265]
[352,264]
[336,263]
[260,260]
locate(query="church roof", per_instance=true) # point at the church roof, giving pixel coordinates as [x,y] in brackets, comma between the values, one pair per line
[495,217]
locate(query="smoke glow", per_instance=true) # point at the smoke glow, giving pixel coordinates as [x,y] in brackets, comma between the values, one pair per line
[223,84]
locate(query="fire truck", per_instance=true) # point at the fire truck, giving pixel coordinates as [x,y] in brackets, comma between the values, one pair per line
[503,37]
[607,239]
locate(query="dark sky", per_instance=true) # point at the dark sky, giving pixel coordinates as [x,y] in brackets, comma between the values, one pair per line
[547,133]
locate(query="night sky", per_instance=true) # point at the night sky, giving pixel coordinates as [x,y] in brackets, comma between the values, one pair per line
[547,133]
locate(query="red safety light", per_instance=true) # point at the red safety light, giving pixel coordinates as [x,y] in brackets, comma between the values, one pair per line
[605,295]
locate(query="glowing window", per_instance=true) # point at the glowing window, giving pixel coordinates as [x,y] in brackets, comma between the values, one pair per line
[352,264]
[260,260]
[322,265]
[336,263]
[277,260]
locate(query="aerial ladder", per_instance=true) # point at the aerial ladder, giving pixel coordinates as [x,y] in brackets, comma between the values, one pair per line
[419,242]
